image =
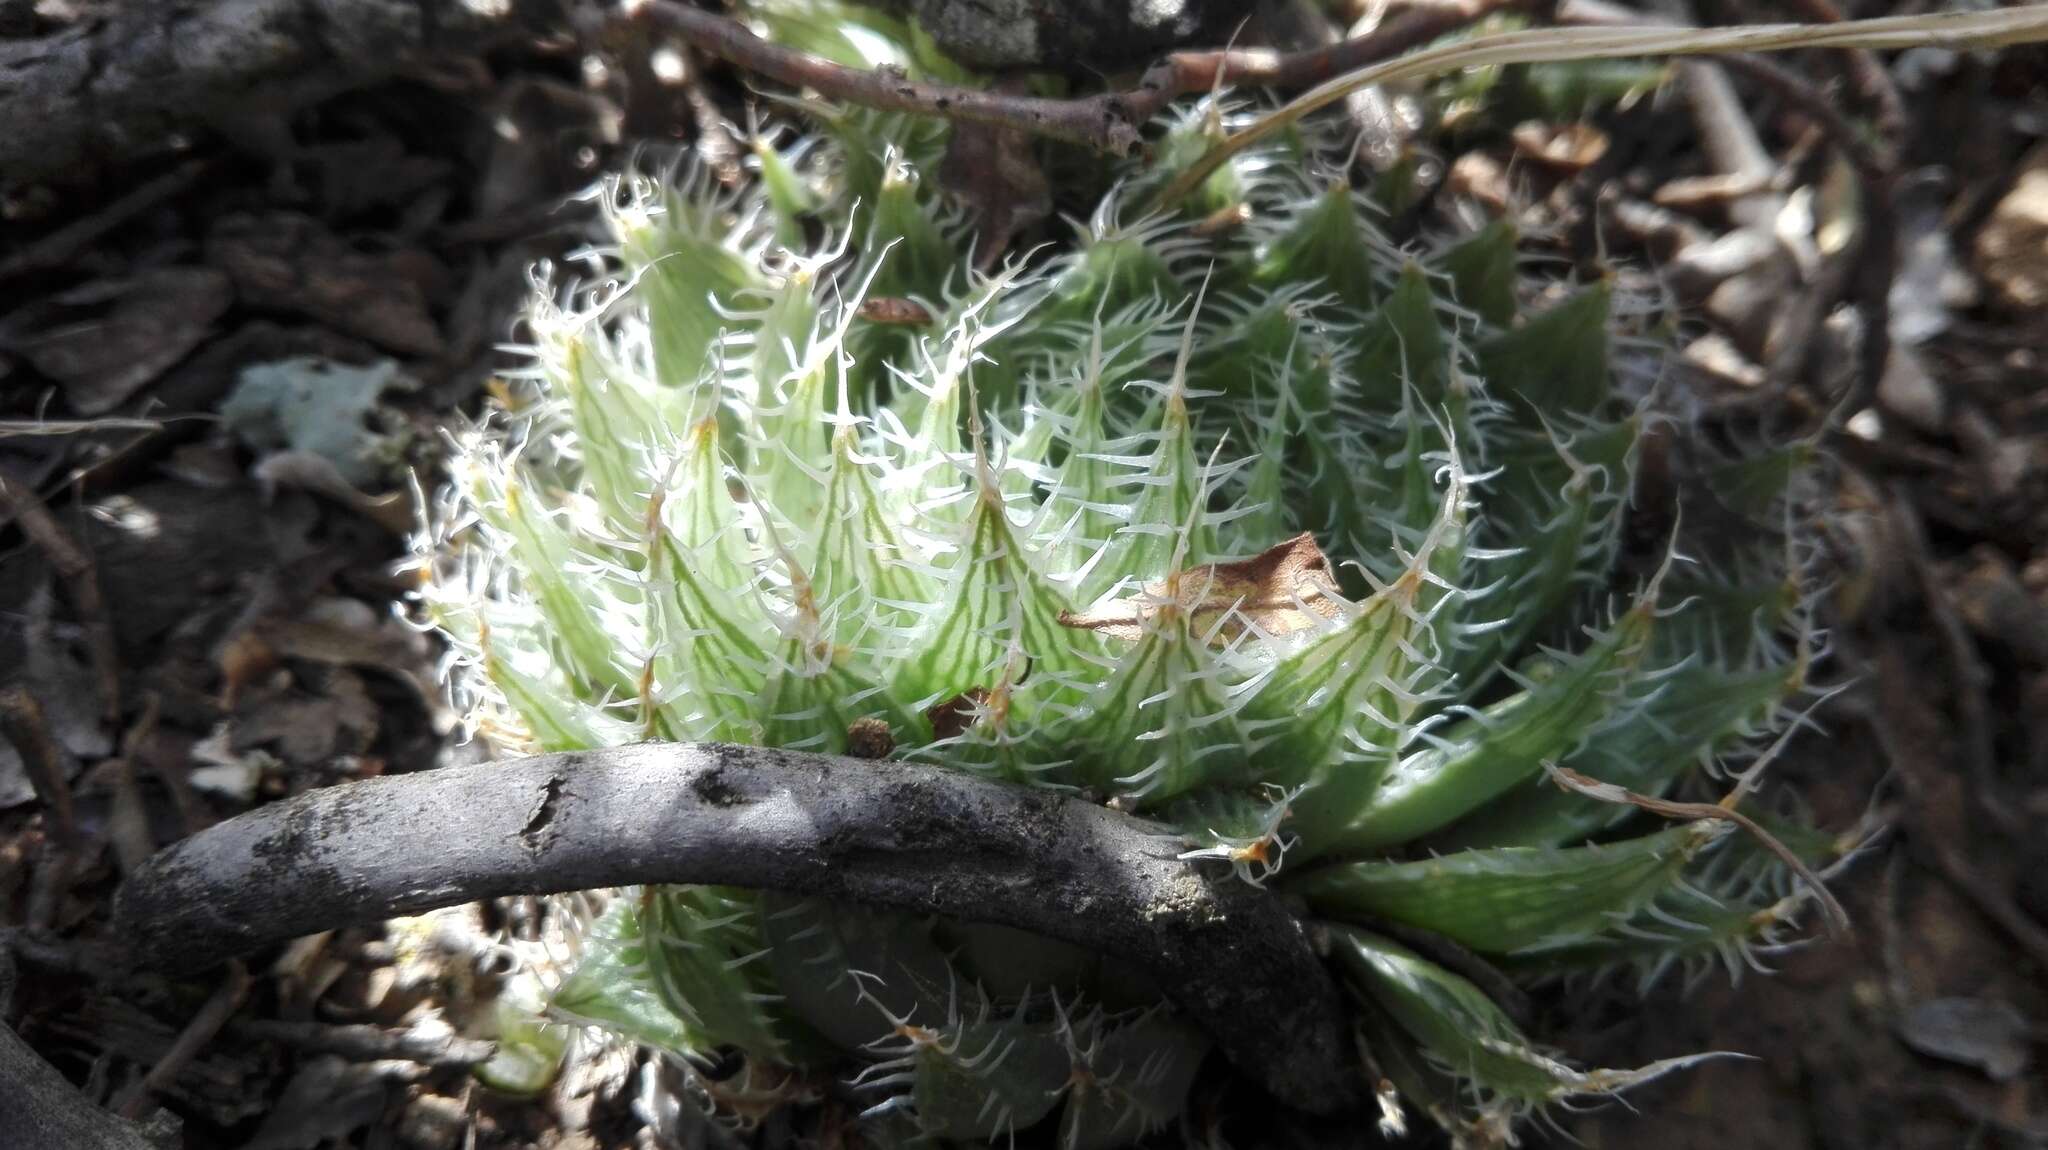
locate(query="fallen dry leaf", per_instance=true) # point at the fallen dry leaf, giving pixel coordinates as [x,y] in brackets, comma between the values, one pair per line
[330,1098]
[1572,147]
[323,637]
[310,471]
[156,320]
[62,680]
[2012,246]
[283,261]
[1989,1035]
[1286,589]
[1480,178]
[329,716]
[1712,192]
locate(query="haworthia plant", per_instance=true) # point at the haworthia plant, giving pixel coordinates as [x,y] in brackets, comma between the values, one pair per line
[1303,543]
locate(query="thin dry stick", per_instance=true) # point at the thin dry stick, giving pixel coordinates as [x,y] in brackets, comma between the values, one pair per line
[81,585]
[23,724]
[1873,84]
[128,821]
[234,988]
[1193,72]
[1099,122]
[1107,122]
[1729,140]
[11,428]
[1548,45]
[1787,84]
[1991,899]
[1967,672]
[1571,780]
[1937,845]
[367,1043]
[60,247]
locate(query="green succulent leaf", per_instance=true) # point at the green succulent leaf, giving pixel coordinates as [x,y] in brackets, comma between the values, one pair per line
[616,424]
[691,268]
[705,958]
[865,576]
[853,974]
[1556,362]
[1507,899]
[998,595]
[1404,346]
[986,1078]
[1463,1031]
[1163,722]
[1328,242]
[1482,271]
[613,987]
[1130,1079]
[529,1054]
[1699,710]
[548,558]
[1551,520]
[1483,756]
[549,709]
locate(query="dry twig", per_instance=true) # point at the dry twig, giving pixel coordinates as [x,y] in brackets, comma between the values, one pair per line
[11,428]
[1571,780]
[1875,263]
[1873,84]
[128,822]
[1935,826]
[1968,675]
[60,247]
[367,1043]
[1107,122]
[227,999]
[81,581]
[907,837]
[1936,799]
[22,723]
[131,78]
[1542,45]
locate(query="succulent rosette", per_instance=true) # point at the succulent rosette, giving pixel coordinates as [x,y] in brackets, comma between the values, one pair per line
[1307,546]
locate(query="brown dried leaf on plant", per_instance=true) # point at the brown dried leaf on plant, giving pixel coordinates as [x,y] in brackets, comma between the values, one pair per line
[1284,590]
